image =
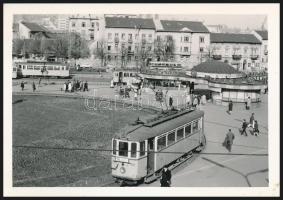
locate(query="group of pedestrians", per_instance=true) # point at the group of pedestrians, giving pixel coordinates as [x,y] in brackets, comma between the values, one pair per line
[253,124]
[76,85]
[32,85]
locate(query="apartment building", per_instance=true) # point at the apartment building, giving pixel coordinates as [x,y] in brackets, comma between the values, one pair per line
[242,51]
[128,39]
[190,41]
[262,35]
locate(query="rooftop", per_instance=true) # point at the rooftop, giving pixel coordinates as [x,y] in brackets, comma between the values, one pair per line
[215,67]
[263,34]
[183,26]
[233,38]
[34,27]
[124,22]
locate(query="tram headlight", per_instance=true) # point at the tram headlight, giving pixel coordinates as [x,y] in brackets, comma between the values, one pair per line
[122,170]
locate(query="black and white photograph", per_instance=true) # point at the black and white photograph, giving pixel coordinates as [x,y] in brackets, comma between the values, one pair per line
[125,99]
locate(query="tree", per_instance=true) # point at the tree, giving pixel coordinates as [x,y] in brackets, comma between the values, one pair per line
[164,48]
[17,46]
[78,47]
[101,51]
[143,52]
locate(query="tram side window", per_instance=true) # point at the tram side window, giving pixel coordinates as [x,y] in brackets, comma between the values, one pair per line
[24,66]
[62,68]
[30,67]
[20,66]
[195,126]
[180,134]
[36,67]
[171,138]
[142,148]
[114,147]
[161,143]
[50,68]
[134,150]
[188,130]
[56,67]
[67,68]
[123,149]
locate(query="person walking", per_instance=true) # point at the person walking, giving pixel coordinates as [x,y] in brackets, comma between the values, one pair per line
[170,101]
[39,81]
[65,87]
[256,131]
[22,85]
[252,119]
[188,99]
[86,86]
[33,86]
[230,107]
[244,127]
[248,103]
[70,86]
[195,102]
[228,142]
[165,180]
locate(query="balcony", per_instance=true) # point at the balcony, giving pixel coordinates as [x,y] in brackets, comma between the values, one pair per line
[265,52]
[237,57]
[254,57]
[116,40]
[217,57]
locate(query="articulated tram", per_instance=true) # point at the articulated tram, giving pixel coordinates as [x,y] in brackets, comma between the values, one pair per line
[141,150]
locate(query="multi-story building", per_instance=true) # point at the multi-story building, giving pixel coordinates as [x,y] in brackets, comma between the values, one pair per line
[190,40]
[262,35]
[87,26]
[129,40]
[29,30]
[242,51]
[63,23]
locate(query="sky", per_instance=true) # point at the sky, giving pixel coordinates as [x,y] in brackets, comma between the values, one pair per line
[232,21]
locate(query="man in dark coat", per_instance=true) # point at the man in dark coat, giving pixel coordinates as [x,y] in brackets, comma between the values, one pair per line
[256,131]
[22,85]
[170,101]
[165,180]
[230,107]
[229,140]
[86,86]
[33,86]
[244,127]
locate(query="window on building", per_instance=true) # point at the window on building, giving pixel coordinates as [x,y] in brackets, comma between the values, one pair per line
[136,57]
[150,37]
[91,37]
[123,36]
[129,58]
[116,57]
[161,142]
[171,138]
[186,39]
[109,57]
[169,37]
[180,134]
[123,45]
[109,48]
[83,24]
[201,49]
[73,24]
[158,38]
[116,47]
[123,149]
[265,47]
[92,24]
[188,130]
[133,150]
[142,148]
[130,36]
[201,39]
[129,48]
[116,35]
[109,36]
[143,36]
[186,49]
[245,50]
[136,36]
[226,50]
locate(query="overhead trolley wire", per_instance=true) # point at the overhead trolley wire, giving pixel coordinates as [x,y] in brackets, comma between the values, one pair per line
[108,150]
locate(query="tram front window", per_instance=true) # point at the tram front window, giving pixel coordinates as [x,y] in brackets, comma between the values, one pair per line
[123,149]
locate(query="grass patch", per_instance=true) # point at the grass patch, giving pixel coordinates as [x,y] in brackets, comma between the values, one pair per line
[65,123]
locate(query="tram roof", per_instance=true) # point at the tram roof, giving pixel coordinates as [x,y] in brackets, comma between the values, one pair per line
[41,62]
[141,132]
[126,70]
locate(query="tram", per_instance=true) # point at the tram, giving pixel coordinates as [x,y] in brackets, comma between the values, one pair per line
[124,76]
[16,72]
[141,150]
[43,68]
[158,65]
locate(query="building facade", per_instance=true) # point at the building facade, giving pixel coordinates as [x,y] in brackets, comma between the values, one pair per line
[63,23]
[129,40]
[28,30]
[242,51]
[262,35]
[190,41]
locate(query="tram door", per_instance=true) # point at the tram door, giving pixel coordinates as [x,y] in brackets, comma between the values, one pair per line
[120,77]
[150,156]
